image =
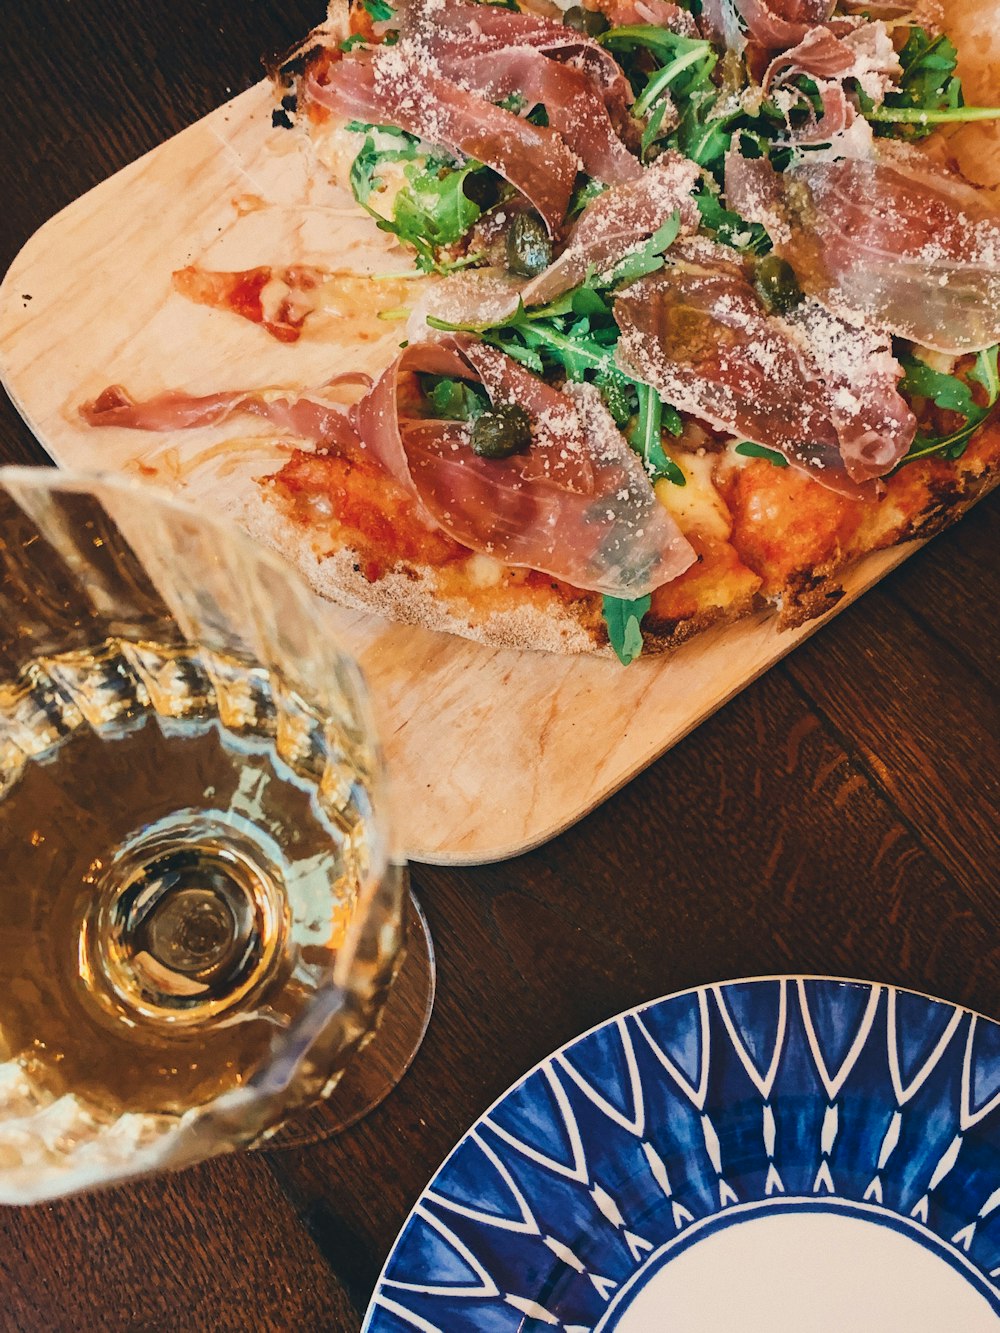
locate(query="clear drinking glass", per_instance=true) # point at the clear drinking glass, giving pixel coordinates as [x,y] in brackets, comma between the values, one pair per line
[200,910]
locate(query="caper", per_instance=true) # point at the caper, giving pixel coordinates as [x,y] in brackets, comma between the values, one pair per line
[529,249]
[482,187]
[590,22]
[776,285]
[504,430]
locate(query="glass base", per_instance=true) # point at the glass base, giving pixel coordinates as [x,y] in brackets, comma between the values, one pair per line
[372,1076]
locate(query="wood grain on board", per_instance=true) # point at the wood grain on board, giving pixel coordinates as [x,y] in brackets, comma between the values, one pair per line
[491,751]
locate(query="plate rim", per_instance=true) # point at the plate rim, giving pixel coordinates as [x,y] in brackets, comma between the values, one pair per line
[706,986]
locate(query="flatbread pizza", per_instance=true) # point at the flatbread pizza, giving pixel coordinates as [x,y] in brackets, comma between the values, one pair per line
[699,305]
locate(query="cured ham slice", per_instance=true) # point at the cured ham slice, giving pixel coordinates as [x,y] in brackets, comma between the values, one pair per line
[307,415]
[395,86]
[820,54]
[837,117]
[865,53]
[697,332]
[617,221]
[699,337]
[894,244]
[772,24]
[577,504]
[660,13]
[458,30]
[874,425]
[576,110]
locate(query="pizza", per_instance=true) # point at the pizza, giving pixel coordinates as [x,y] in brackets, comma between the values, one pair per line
[704,307]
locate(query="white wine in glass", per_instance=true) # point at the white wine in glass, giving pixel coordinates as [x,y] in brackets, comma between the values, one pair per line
[200,913]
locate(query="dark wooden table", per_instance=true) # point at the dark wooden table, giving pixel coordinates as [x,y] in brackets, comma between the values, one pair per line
[838,817]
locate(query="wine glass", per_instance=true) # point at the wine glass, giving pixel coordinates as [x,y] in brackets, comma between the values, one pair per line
[201,911]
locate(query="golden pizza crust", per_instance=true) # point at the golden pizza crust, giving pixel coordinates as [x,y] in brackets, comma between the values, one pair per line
[796,570]
[412,594]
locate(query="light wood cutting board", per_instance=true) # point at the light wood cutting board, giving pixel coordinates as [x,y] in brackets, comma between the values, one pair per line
[491,751]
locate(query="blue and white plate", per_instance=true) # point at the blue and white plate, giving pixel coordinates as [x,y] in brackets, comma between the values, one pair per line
[790,1153]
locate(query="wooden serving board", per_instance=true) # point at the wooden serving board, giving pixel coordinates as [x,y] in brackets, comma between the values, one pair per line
[491,751]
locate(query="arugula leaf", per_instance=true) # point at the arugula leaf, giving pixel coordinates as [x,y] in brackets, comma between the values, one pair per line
[619,394]
[434,210]
[682,79]
[545,345]
[623,619]
[728,226]
[929,93]
[362,177]
[954,395]
[454,400]
[684,62]
[661,42]
[364,169]
[697,59]
[587,301]
[362,127]
[652,131]
[946,390]
[355,39]
[431,210]
[646,437]
[649,257]
[583,195]
[987,373]
[379,10]
[750,450]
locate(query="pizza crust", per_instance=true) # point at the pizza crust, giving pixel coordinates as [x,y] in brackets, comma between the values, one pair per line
[411,594]
[544,619]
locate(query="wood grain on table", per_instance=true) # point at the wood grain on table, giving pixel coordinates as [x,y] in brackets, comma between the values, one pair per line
[839,816]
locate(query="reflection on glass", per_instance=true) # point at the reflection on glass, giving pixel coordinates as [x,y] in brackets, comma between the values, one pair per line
[199,914]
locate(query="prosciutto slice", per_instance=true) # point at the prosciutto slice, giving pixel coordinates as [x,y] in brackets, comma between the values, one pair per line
[618,220]
[576,110]
[865,53]
[457,30]
[697,332]
[894,244]
[307,415]
[837,117]
[820,54]
[772,24]
[396,86]
[660,13]
[577,504]
[874,425]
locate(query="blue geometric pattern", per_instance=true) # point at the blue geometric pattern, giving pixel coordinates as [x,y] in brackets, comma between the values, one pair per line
[789,1092]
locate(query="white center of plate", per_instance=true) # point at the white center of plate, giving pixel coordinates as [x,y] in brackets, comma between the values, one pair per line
[805,1272]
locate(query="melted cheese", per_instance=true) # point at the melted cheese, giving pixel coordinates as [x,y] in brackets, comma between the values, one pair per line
[696,506]
[337,148]
[483,571]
